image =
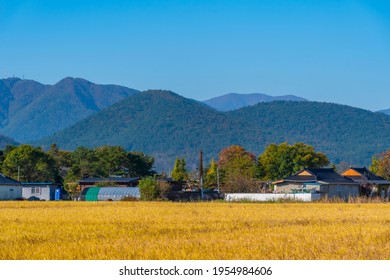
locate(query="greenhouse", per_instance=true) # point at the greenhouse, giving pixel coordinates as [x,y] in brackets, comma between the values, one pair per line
[109,193]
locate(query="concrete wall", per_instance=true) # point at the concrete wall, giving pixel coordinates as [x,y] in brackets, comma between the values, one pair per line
[332,191]
[271,196]
[10,192]
[342,191]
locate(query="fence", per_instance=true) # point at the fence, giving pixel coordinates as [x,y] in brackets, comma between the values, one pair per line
[272,196]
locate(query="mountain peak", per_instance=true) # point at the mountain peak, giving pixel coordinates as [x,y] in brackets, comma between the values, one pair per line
[30,110]
[72,80]
[233,101]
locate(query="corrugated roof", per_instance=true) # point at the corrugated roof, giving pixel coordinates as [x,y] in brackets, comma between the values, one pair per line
[109,179]
[112,193]
[4,180]
[40,184]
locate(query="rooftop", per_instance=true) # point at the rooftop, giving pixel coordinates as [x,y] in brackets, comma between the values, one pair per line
[327,175]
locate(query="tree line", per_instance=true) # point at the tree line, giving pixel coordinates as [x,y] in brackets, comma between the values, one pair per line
[32,164]
[240,170]
[236,169]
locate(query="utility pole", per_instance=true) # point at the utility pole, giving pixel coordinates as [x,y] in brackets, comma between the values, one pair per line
[201,173]
[218,179]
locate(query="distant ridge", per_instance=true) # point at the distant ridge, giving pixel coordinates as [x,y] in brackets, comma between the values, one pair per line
[30,110]
[233,101]
[166,125]
[385,111]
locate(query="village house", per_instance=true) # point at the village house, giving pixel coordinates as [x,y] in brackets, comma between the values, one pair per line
[368,181]
[41,191]
[324,181]
[10,189]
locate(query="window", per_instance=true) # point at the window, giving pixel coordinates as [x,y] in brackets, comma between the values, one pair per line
[35,190]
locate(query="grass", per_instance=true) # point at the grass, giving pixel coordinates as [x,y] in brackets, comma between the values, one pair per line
[218,231]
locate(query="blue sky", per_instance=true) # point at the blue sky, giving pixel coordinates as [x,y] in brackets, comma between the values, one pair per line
[335,51]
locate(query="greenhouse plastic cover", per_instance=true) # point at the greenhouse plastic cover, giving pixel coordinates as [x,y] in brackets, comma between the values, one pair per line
[117,193]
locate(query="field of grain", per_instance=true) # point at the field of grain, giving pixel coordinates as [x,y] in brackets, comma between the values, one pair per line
[218,231]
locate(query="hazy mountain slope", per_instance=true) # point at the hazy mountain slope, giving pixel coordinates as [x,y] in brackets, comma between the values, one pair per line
[234,101]
[33,111]
[167,126]
[385,111]
[4,141]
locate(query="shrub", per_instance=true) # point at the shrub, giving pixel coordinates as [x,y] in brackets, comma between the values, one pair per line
[149,189]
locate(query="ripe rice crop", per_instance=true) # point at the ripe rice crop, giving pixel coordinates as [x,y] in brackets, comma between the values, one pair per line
[212,230]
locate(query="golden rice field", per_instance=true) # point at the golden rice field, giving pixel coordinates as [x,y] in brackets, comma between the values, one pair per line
[166,230]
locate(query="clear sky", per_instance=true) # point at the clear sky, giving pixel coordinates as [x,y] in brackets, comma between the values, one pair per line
[335,51]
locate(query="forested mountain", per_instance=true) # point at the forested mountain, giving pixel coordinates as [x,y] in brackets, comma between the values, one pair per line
[160,123]
[166,125]
[342,132]
[30,110]
[234,101]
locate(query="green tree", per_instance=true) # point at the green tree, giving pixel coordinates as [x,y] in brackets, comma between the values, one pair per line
[139,164]
[112,160]
[30,164]
[62,158]
[84,164]
[179,172]
[62,161]
[148,188]
[279,161]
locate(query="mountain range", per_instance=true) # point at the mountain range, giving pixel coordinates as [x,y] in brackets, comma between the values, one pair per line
[75,112]
[30,110]
[167,125]
[233,101]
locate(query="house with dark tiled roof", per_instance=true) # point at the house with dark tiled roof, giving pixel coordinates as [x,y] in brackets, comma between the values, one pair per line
[10,189]
[108,182]
[319,180]
[368,181]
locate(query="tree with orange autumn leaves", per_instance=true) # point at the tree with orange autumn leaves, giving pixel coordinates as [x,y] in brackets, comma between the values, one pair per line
[381,165]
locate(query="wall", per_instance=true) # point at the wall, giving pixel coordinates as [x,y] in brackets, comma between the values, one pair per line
[271,196]
[10,192]
[343,191]
[287,187]
[45,193]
